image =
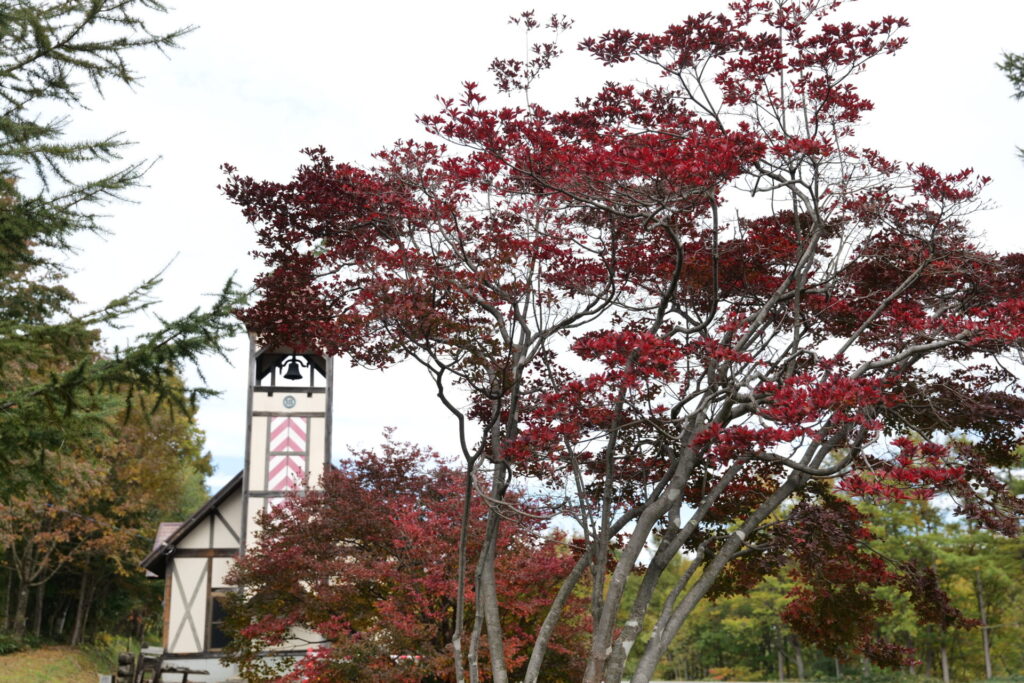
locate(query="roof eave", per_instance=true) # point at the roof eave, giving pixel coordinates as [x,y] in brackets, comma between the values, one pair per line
[161,552]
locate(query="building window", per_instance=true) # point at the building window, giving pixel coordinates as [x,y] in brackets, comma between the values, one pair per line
[217,638]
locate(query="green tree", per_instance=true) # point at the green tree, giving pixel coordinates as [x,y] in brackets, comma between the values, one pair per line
[57,389]
[41,530]
[87,527]
[1013,66]
[148,475]
[985,575]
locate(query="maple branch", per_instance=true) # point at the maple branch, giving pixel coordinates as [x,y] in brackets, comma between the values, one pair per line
[883,305]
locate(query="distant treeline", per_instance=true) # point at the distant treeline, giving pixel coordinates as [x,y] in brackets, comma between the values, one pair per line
[72,541]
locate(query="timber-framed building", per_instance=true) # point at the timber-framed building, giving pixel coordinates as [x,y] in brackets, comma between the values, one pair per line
[288,435]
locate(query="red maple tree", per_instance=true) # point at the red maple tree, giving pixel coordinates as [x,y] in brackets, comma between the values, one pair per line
[601,314]
[364,568]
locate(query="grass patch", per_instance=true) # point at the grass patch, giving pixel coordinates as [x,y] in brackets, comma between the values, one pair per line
[52,664]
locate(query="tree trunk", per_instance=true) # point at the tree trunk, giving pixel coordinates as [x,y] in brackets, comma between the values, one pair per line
[983,614]
[478,624]
[839,672]
[90,601]
[780,657]
[944,656]
[458,632]
[62,622]
[798,656]
[671,620]
[9,601]
[57,618]
[139,628]
[37,617]
[85,591]
[21,611]
[98,594]
[540,645]
[667,549]
[492,617]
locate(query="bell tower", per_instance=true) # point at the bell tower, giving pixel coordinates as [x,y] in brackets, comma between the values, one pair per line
[288,430]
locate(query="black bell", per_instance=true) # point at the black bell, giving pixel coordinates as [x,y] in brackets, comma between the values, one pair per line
[292,371]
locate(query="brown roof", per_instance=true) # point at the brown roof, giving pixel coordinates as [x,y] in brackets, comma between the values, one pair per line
[164,530]
[155,562]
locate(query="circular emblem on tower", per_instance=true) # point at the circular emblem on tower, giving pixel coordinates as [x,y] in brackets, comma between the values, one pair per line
[289,402]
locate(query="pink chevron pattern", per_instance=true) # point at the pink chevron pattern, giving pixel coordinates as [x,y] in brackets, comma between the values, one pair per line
[286,472]
[288,434]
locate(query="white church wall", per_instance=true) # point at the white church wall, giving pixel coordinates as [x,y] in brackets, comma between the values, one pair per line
[186,627]
[198,538]
[227,523]
[219,568]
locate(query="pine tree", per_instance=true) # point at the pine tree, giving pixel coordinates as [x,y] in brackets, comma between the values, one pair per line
[57,387]
[1013,66]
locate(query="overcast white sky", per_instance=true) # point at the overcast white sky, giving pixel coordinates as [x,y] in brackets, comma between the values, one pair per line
[260,80]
